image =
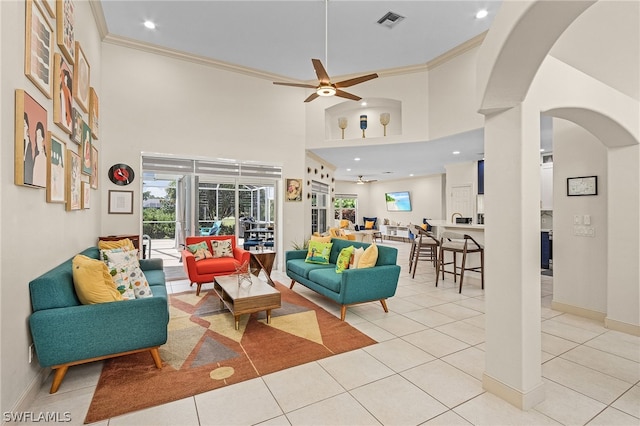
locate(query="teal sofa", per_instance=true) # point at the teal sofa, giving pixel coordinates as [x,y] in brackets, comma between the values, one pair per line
[352,286]
[66,332]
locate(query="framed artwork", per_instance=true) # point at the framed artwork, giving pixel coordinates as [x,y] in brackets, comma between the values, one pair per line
[73,190]
[584,185]
[64,29]
[76,126]
[57,150]
[38,48]
[294,190]
[86,153]
[81,79]
[93,180]
[120,202]
[94,113]
[62,93]
[86,195]
[30,163]
[50,5]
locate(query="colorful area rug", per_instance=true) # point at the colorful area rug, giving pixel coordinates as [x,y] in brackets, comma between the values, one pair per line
[204,351]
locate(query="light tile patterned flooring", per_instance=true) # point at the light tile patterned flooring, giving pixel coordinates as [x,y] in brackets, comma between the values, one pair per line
[426,369]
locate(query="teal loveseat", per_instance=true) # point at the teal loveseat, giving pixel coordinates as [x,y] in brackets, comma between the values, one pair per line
[352,286]
[66,332]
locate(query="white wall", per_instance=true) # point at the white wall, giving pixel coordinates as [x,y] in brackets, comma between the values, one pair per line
[159,104]
[36,235]
[426,194]
[452,90]
[579,263]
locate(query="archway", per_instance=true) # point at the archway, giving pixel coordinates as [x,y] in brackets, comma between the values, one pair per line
[515,84]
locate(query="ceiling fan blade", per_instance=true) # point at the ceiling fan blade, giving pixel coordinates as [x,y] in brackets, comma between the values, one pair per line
[356,80]
[311,97]
[321,73]
[347,95]
[308,86]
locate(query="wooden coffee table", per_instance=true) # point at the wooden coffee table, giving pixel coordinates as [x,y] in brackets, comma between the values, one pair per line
[246,298]
[263,260]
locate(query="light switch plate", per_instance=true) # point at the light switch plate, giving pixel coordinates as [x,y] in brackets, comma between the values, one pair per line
[577,220]
[587,219]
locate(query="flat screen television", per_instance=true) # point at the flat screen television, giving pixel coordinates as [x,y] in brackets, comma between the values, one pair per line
[398,201]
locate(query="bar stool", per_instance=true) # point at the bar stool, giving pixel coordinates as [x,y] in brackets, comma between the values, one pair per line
[423,247]
[459,243]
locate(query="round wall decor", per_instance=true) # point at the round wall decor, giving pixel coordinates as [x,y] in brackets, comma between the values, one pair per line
[121,174]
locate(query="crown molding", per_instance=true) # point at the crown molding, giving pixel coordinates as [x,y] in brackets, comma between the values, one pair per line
[203,60]
[98,15]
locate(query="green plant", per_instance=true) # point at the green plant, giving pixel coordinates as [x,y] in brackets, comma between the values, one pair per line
[297,246]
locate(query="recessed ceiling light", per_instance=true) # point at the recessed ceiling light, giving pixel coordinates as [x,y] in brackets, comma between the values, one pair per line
[348,170]
[356,159]
[482,13]
[541,149]
[363,104]
[456,152]
[150,24]
[410,174]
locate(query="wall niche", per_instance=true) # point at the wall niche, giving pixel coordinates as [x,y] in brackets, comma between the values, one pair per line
[352,110]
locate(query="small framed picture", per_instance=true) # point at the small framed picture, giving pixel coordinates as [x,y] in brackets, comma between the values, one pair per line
[93,180]
[85,145]
[86,195]
[38,48]
[62,93]
[120,202]
[94,113]
[76,126]
[584,185]
[81,79]
[294,190]
[56,150]
[73,186]
[64,32]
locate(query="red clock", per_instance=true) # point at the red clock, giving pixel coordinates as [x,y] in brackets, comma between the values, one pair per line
[121,174]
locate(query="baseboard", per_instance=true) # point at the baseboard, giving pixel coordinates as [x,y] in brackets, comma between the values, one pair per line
[31,393]
[519,399]
[623,327]
[578,311]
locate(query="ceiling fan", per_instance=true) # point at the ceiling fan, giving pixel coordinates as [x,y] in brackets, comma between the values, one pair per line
[362,181]
[326,88]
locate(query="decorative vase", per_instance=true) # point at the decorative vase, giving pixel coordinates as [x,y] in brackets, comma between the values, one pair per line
[342,123]
[363,124]
[384,120]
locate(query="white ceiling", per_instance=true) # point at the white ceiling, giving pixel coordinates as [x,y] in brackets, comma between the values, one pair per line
[277,39]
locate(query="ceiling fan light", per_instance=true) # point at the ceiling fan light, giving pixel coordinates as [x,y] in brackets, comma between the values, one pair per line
[360,182]
[326,90]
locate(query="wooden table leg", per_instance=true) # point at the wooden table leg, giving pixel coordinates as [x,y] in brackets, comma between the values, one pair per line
[268,316]
[237,322]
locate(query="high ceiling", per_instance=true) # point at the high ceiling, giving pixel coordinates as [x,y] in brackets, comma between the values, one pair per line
[279,38]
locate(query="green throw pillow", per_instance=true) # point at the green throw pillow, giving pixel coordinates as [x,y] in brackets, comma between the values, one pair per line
[200,250]
[318,252]
[344,258]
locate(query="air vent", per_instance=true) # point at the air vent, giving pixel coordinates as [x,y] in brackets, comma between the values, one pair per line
[390,19]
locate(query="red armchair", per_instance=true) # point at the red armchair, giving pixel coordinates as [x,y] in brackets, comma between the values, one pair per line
[204,270]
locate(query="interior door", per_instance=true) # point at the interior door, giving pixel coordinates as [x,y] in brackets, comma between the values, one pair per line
[462,200]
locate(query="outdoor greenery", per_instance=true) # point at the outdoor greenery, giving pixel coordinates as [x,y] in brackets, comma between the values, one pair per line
[160,223]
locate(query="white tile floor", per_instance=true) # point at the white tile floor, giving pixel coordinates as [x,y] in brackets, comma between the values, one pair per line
[426,369]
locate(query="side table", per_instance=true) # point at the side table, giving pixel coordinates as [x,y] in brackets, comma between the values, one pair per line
[262,260]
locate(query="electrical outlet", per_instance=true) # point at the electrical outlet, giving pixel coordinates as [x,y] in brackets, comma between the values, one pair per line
[30,353]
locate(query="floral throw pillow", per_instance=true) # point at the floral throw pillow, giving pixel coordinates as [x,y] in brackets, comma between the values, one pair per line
[222,248]
[200,250]
[124,268]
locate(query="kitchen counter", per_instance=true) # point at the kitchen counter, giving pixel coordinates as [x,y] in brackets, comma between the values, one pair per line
[444,223]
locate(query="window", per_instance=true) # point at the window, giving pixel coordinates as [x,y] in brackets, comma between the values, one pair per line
[319,204]
[346,207]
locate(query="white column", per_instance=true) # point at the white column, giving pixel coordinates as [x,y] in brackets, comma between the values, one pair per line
[512,256]
[623,268]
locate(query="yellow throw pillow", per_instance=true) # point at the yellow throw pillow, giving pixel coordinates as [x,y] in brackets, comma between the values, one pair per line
[125,243]
[343,259]
[368,224]
[326,239]
[424,226]
[92,281]
[344,223]
[369,257]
